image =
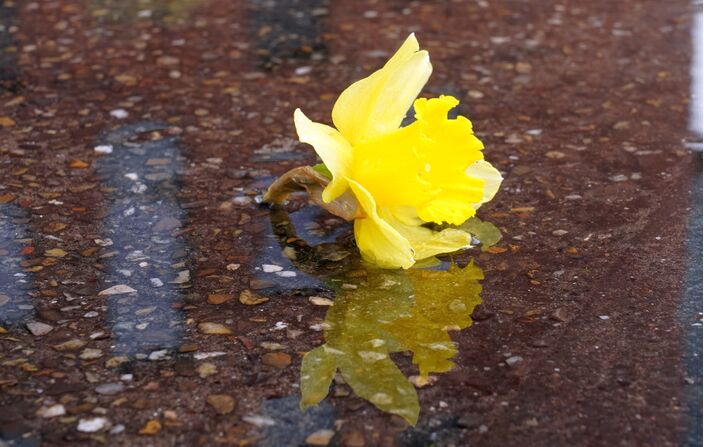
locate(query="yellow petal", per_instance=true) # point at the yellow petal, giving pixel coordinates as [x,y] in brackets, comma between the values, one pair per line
[390,170]
[378,242]
[492,179]
[447,147]
[425,242]
[332,148]
[378,103]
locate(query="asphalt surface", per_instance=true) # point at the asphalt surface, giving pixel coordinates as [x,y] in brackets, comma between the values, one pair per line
[147,298]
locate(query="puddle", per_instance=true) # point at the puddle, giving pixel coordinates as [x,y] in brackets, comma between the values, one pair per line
[15,281]
[287,424]
[298,251]
[287,29]
[374,313]
[141,254]
[9,72]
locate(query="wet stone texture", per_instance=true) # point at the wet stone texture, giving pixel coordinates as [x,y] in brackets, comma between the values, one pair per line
[147,298]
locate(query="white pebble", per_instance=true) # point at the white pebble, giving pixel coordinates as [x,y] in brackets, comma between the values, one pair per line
[162,354]
[103,149]
[271,268]
[119,113]
[52,411]
[92,425]
[117,429]
[206,355]
[618,178]
[513,360]
[259,421]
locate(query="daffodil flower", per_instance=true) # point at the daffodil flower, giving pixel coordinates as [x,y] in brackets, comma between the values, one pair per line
[430,171]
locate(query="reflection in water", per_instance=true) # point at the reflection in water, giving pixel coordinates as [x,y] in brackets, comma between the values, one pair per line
[15,305]
[391,311]
[142,251]
[300,267]
[396,311]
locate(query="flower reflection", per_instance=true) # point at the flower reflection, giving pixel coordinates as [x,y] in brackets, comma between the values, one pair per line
[402,311]
[391,311]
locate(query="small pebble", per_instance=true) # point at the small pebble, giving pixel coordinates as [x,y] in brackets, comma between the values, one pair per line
[52,411]
[70,345]
[222,403]
[152,427]
[259,421]
[320,301]
[618,178]
[242,200]
[206,369]
[278,360]
[271,268]
[219,298]
[117,290]
[271,346]
[92,425]
[206,355]
[320,437]
[119,113]
[161,354]
[109,389]
[250,298]
[422,381]
[514,360]
[38,328]
[103,149]
[91,354]
[214,329]
[116,430]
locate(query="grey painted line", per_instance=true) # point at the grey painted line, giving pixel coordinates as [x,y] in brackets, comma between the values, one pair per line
[139,223]
[690,317]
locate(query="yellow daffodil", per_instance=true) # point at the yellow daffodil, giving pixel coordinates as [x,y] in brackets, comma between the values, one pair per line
[432,170]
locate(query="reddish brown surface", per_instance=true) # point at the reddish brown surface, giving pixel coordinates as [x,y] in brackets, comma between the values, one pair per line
[605,82]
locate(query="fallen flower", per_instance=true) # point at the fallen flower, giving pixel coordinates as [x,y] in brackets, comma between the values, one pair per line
[395,179]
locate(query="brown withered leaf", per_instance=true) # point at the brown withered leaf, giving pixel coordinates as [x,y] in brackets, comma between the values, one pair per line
[305,178]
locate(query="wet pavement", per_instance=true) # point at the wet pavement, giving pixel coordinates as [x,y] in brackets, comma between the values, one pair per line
[148,298]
